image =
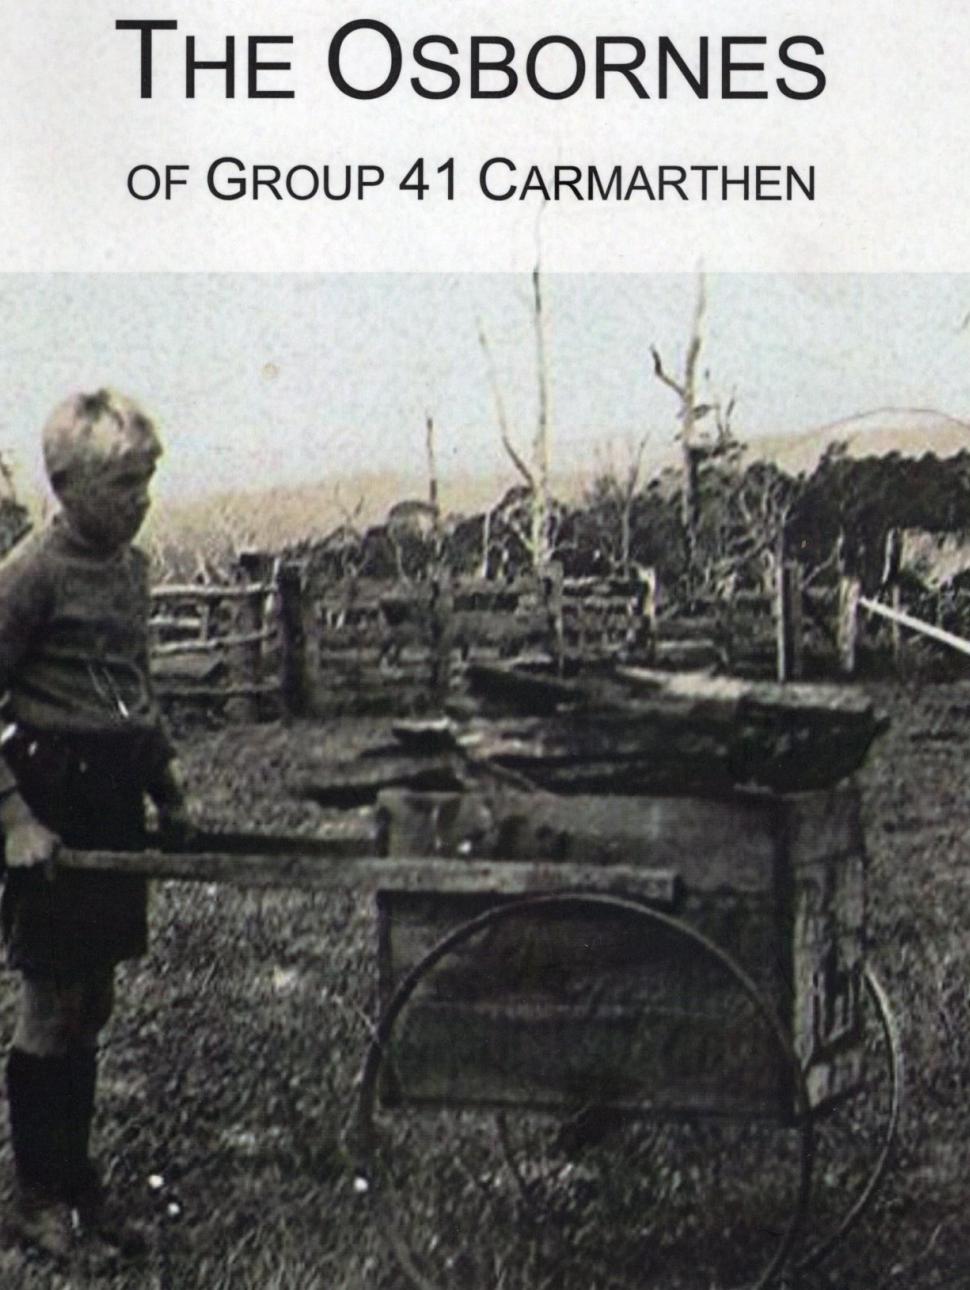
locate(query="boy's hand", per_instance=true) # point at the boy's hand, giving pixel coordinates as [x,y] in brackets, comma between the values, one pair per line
[27,842]
[174,825]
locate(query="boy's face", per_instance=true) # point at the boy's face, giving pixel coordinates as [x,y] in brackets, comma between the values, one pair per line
[107,505]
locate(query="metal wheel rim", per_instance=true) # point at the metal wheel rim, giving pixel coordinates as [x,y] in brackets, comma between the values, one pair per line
[373,1061]
[893,1053]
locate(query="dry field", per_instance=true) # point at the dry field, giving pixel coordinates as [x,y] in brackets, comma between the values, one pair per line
[231,1068]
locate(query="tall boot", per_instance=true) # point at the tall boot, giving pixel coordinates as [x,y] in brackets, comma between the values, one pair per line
[81,1180]
[38,1096]
[98,1219]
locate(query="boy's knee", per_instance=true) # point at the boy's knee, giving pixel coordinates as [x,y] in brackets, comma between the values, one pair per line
[54,1019]
[45,1021]
[97,1008]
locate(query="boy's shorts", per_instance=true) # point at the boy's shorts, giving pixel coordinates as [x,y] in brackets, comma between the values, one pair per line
[88,789]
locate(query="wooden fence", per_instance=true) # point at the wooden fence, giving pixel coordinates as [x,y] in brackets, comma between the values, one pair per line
[293,643]
[218,645]
[369,645]
[283,641]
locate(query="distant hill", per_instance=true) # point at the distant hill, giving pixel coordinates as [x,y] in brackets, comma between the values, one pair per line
[273,517]
[909,431]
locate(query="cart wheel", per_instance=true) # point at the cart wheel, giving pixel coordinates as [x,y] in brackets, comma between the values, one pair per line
[854,1141]
[587,1196]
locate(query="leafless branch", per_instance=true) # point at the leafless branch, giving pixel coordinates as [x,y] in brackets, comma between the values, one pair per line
[662,375]
[432,468]
[7,475]
[540,453]
[348,515]
[503,424]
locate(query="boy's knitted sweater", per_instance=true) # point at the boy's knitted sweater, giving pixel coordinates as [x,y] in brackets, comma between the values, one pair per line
[74,637]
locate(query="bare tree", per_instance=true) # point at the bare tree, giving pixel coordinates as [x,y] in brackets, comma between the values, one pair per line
[758,504]
[540,538]
[689,413]
[6,474]
[541,534]
[619,492]
[439,617]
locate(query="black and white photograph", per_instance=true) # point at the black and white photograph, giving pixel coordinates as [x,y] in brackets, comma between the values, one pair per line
[484,632]
[482,780]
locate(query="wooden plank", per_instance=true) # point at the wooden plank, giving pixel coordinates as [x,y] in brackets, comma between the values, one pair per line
[828,904]
[649,694]
[355,653]
[517,687]
[358,782]
[214,644]
[555,1008]
[897,616]
[822,824]
[825,916]
[215,691]
[687,655]
[191,591]
[349,871]
[696,740]
[190,625]
[663,1061]
[568,943]
[186,669]
[825,704]
[727,846]
[677,629]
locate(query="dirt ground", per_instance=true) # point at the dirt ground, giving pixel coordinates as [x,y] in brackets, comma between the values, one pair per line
[230,1070]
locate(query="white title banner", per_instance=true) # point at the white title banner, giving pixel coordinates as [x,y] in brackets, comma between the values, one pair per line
[279,135]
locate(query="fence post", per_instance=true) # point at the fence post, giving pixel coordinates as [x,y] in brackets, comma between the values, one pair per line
[293,671]
[898,646]
[248,656]
[847,624]
[788,620]
[550,577]
[440,623]
[645,631]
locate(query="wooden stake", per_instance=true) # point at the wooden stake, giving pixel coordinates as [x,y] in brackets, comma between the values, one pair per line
[846,629]
[915,624]
[293,678]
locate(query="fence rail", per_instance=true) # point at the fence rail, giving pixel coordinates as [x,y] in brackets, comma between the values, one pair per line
[299,643]
[218,645]
[285,641]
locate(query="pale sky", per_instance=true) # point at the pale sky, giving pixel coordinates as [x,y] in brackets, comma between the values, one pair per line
[258,379]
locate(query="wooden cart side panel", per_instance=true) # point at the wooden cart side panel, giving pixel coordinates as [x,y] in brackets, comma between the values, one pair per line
[826,854]
[551,1010]
[712,844]
[556,1009]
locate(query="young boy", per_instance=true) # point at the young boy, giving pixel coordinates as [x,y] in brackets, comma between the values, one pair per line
[82,744]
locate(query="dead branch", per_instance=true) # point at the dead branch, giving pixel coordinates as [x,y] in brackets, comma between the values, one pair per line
[348,516]
[432,474]
[688,414]
[660,372]
[6,474]
[503,424]
[540,453]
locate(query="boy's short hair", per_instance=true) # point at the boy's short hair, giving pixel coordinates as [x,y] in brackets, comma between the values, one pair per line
[88,431]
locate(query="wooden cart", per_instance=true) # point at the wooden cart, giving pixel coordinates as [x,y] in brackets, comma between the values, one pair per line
[626,1038]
